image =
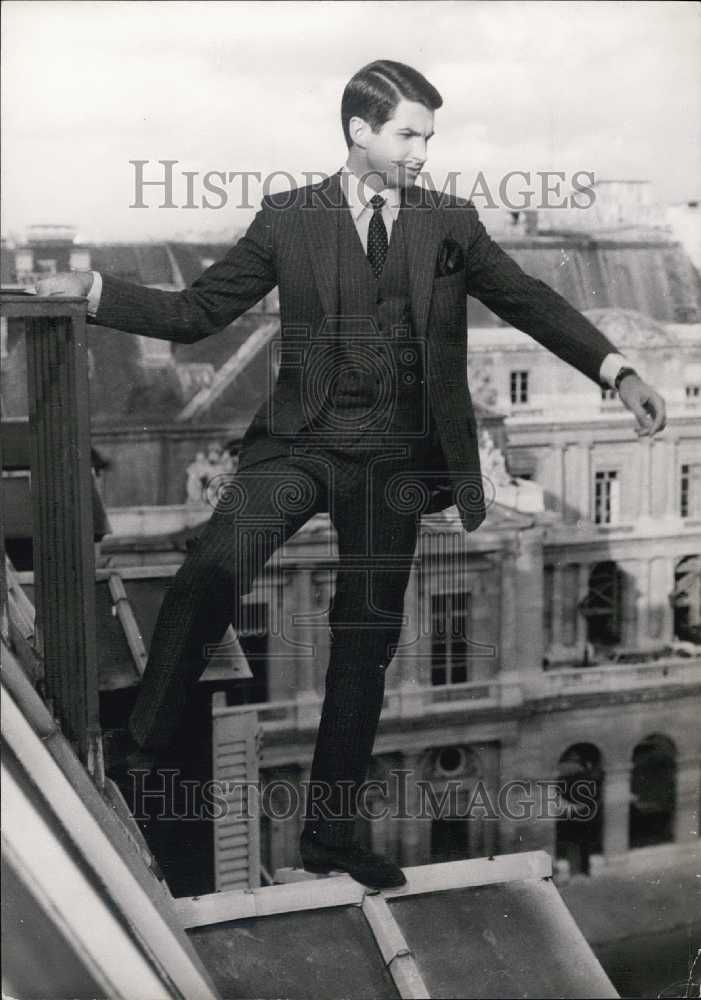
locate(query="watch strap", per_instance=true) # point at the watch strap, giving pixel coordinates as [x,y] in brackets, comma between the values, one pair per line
[622,372]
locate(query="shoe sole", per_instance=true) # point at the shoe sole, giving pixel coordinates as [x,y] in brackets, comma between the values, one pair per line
[321,870]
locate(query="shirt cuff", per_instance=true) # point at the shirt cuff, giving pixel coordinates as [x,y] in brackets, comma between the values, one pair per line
[95,293]
[610,367]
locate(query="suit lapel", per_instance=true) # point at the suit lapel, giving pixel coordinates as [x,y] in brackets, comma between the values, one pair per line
[320,223]
[422,227]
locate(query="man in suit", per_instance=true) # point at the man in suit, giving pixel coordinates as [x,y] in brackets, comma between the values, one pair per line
[370,418]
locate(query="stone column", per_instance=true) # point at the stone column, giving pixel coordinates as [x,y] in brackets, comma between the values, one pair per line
[636,604]
[562,600]
[644,510]
[555,477]
[583,572]
[414,831]
[587,505]
[556,617]
[575,505]
[660,611]
[405,668]
[688,790]
[615,797]
[671,508]
[642,639]
[672,504]
[388,830]
[491,765]
[509,666]
[305,636]
[521,827]
[629,601]
[528,568]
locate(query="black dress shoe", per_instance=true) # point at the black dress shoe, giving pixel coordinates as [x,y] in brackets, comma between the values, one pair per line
[361,864]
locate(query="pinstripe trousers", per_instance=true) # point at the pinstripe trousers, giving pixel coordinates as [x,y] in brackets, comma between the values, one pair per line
[261,507]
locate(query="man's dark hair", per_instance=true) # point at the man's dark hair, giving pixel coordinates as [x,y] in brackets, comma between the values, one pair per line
[374,92]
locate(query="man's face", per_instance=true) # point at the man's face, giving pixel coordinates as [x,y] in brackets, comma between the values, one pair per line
[398,150]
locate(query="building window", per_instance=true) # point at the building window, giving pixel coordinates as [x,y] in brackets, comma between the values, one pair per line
[686,599]
[690,490]
[693,392]
[450,615]
[579,828]
[684,485]
[606,497]
[603,604]
[653,792]
[519,387]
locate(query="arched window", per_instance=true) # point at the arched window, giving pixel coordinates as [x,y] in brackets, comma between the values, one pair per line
[578,834]
[686,598]
[455,835]
[653,792]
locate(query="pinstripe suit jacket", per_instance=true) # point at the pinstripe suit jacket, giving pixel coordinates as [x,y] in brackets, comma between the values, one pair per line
[293,243]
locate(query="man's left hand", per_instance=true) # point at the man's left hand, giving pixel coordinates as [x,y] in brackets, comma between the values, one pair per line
[647,405]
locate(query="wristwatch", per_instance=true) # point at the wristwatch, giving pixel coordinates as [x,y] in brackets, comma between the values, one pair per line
[622,372]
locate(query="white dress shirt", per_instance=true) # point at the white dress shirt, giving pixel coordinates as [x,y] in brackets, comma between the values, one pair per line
[358,194]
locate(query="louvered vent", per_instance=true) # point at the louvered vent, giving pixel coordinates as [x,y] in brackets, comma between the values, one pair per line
[236,745]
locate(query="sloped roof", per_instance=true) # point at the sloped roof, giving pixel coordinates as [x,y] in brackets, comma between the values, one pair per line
[653,275]
[628,328]
[490,927]
[656,277]
[85,874]
[145,263]
[477,928]
[625,327]
[126,609]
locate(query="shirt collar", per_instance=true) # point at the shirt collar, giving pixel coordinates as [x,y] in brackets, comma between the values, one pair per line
[358,194]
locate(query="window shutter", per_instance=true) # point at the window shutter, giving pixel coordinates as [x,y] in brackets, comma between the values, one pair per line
[236,739]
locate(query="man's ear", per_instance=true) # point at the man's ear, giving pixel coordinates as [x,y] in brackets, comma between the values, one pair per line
[359,129]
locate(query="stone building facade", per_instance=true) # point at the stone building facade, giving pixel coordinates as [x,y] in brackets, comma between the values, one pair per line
[512,720]
[560,639]
[552,644]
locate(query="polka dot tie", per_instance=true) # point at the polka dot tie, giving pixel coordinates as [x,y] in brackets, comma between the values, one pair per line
[377,237]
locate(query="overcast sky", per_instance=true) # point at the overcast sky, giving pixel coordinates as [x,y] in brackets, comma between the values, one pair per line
[612,88]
